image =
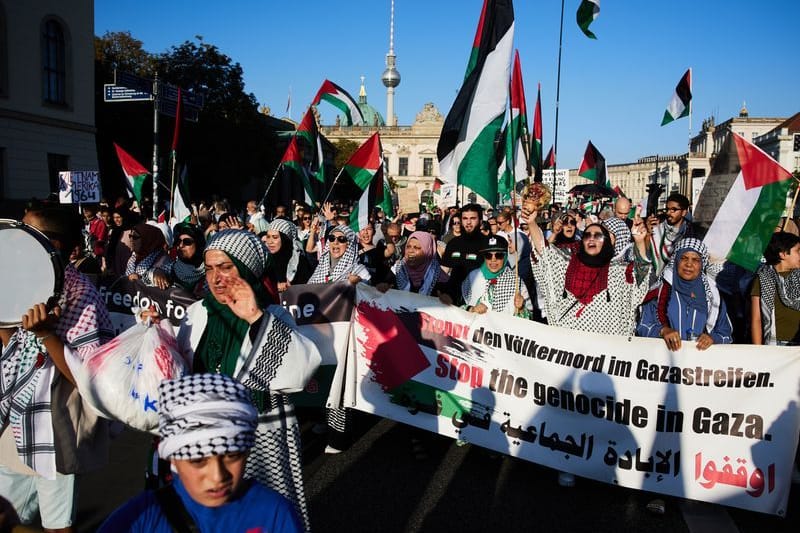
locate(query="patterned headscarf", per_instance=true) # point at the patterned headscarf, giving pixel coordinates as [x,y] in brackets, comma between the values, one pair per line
[427,273]
[622,234]
[291,248]
[243,246]
[201,415]
[346,263]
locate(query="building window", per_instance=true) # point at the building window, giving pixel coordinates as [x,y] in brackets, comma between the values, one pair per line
[402,166]
[56,163]
[427,166]
[54,69]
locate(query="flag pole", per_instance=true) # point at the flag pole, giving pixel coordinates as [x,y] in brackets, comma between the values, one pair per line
[513,167]
[269,186]
[332,186]
[558,96]
[794,201]
[172,189]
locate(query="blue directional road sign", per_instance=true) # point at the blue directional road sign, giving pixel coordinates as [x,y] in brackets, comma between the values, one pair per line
[132,81]
[118,93]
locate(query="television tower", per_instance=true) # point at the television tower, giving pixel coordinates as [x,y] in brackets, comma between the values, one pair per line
[390,78]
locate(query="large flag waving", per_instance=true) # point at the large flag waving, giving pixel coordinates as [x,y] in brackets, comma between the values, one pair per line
[593,166]
[307,130]
[135,173]
[365,170]
[515,168]
[338,97]
[680,104]
[292,163]
[741,202]
[466,148]
[587,12]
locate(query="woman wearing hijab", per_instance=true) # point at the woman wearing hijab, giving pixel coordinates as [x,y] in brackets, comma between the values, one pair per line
[148,256]
[495,285]
[120,244]
[686,305]
[233,331]
[565,232]
[374,256]
[340,261]
[288,264]
[419,270]
[585,290]
[188,270]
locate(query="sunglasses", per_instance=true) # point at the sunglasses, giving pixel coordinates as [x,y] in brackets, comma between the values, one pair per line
[593,235]
[185,242]
[341,238]
[306,218]
[569,222]
[494,255]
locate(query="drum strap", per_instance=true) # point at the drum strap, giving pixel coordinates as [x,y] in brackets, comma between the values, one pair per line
[176,513]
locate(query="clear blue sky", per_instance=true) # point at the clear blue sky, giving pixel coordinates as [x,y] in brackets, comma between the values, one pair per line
[613,90]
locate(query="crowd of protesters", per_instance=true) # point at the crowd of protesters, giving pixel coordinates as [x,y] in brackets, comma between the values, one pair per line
[610,271]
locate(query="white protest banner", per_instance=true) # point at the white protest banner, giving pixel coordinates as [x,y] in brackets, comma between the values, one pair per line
[561,181]
[719,425]
[79,187]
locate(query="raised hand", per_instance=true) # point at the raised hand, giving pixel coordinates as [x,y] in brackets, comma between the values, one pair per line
[242,300]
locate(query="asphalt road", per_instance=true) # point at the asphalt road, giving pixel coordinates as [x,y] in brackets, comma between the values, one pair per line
[379,484]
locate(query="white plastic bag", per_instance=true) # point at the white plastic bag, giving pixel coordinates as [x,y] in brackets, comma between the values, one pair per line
[120,379]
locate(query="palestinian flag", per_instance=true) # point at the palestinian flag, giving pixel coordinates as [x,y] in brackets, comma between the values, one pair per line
[307,131]
[741,203]
[365,170]
[550,160]
[135,173]
[536,140]
[466,150]
[180,199]
[181,210]
[587,12]
[680,105]
[593,166]
[292,164]
[338,97]
[515,167]
[437,186]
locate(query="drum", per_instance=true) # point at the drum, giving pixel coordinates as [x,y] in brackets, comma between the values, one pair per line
[31,271]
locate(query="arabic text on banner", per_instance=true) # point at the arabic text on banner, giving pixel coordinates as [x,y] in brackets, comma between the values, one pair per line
[718,426]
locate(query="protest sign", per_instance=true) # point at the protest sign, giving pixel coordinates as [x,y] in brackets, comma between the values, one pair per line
[718,426]
[79,187]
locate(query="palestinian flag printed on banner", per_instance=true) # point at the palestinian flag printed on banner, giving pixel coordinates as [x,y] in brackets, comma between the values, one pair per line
[292,163]
[680,105]
[588,11]
[514,168]
[338,97]
[741,203]
[307,131]
[466,149]
[135,173]
[365,170]
[593,166]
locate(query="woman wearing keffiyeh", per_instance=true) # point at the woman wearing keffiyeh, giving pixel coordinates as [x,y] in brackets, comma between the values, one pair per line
[339,262]
[148,255]
[289,265]
[233,331]
[494,286]
[685,304]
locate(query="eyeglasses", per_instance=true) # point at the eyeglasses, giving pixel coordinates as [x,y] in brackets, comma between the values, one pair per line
[456,223]
[673,209]
[569,222]
[340,239]
[185,242]
[306,218]
[493,255]
[598,236]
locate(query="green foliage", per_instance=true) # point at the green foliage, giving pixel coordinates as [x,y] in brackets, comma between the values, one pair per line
[344,149]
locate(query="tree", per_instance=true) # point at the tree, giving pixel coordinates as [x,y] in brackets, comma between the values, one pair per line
[120,50]
[344,149]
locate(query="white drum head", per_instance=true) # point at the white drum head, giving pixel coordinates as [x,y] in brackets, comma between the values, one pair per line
[27,273]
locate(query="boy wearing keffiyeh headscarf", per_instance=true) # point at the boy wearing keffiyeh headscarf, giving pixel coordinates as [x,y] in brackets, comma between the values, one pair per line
[207,424]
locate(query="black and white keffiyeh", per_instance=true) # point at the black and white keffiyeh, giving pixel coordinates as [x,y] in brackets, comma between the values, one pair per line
[713,298]
[243,246]
[289,229]
[432,275]
[203,415]
[622,234]
[772,285]
[344,266]
[494,293]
